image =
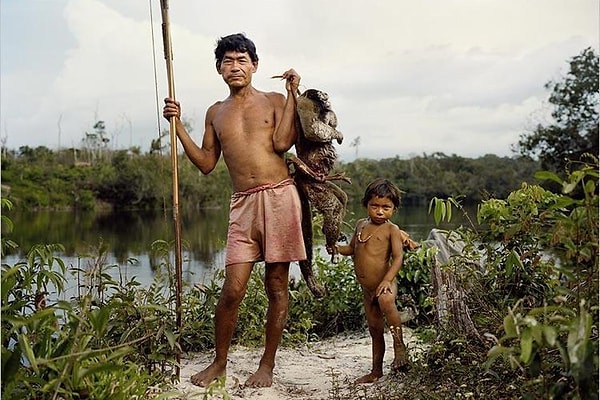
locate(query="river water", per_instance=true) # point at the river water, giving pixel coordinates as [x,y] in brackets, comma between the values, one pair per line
[128,237]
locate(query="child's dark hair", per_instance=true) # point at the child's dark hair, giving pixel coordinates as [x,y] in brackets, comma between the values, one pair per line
[381,187]
[235,42]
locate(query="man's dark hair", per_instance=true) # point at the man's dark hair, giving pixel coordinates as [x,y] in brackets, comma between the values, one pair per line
[381,187]
[235,42]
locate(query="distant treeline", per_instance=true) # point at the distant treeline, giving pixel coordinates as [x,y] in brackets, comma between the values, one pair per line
[36,178]
[438,175]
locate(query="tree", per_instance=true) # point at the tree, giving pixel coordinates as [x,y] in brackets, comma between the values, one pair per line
[163,142]
[355,143]
[576,104]
[95,142]
[157,146]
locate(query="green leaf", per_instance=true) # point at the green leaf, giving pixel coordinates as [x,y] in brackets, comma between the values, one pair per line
[575,178]
[510,327]
[99,320]
[417,275]
[526,345]
[578,337]
[438,213]
[536,332]
[590,187]
[513,260]
[28,351]
[568,187]
[550,335]
[8,282]
[170,338]
[564,201]
[496,352]
[98,367]
[547,175]
[11,361]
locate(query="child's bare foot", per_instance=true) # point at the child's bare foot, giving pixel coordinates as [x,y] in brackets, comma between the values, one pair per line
[263,377]
[369,378]
[204,378]
[400,365]
[400,353]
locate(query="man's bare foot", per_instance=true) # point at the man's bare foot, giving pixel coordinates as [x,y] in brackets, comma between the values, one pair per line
[369,378]
[263,377]
[212,372]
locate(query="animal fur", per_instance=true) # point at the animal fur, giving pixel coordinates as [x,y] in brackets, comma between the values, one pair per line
[313,164]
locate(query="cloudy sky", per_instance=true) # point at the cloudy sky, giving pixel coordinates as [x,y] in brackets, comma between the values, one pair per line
[461,77]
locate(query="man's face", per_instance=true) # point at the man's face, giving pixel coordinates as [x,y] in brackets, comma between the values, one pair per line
[237,69]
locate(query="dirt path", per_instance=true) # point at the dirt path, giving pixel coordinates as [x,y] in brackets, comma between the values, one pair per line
[312,371]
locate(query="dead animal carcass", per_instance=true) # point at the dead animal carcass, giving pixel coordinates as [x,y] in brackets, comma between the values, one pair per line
[313,163]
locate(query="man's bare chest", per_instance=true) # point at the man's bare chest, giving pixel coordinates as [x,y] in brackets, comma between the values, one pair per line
[243,119]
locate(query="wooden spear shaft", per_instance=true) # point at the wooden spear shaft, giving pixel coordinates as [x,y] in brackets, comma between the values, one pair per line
[166,34]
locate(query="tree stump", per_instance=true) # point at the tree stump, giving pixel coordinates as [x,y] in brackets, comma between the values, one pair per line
[452,311]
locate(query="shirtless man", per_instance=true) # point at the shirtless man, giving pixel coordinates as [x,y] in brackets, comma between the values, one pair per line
[377,248]
[253,130]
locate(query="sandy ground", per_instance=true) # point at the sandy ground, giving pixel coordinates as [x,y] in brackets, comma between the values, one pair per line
[312,371]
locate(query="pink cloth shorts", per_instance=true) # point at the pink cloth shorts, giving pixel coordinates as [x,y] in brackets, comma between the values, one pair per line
[265,225]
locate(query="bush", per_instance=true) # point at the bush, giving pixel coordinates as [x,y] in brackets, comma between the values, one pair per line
[551,332]
[106,343]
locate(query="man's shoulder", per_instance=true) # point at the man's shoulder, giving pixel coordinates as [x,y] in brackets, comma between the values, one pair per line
[272,100]
[273,96]
[216,105]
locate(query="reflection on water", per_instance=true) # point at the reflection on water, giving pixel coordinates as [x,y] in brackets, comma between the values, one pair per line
[129,235]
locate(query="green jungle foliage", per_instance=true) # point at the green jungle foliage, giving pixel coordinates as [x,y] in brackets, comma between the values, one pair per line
[551,329]
[575,102]
[529,269]
[42,178]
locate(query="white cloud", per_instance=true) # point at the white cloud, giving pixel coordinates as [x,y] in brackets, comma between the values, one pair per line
[456,76]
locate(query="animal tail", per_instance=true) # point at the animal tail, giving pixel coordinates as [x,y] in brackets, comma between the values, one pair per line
[306,266]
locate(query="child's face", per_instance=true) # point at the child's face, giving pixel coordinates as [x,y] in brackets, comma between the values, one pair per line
[380,209]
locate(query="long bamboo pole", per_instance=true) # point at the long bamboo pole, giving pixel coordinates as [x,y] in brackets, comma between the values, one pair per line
[166,34]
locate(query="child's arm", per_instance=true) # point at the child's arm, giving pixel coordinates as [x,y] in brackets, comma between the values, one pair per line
[345,249]
[348,249]
[397,256]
